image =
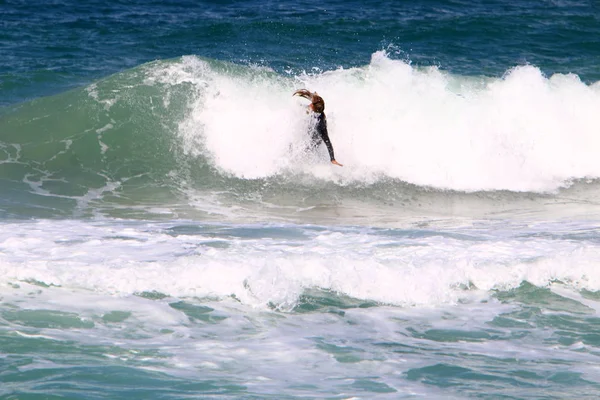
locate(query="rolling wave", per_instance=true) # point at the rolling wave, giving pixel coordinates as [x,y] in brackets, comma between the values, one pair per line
[180,134]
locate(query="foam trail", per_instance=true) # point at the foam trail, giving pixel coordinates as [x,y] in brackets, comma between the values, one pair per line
[391,267]
[522,132]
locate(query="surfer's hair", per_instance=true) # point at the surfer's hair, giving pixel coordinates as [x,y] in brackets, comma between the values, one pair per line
[317,101]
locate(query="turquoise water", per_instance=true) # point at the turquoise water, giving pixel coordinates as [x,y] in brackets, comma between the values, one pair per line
[165,235]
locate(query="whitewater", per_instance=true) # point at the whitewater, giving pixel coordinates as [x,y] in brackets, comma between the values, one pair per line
[522,132]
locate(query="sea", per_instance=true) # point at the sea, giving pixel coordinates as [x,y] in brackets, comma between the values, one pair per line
[165,234]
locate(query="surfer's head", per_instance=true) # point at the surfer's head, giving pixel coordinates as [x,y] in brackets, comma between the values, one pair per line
[317,104]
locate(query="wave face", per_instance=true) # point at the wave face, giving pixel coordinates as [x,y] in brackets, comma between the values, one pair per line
[197,135]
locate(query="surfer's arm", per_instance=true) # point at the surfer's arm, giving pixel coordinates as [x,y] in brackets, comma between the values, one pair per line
[330,149]
[322,128]
[325,138]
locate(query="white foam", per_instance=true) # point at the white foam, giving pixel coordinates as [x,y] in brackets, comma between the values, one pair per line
[12,153]
[521,132]
[100,132]
[128,258]
[99,264]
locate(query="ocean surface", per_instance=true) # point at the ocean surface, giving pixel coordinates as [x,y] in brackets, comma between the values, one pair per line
[165,235]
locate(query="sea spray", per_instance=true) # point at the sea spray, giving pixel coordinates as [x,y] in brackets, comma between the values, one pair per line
[522,132]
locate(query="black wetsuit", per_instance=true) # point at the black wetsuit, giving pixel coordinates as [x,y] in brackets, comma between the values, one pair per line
[319,133]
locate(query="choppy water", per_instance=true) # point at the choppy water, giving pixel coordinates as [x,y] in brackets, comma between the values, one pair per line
[165,235]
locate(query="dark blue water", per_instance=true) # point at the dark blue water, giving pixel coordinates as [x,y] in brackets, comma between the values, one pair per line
[48,47]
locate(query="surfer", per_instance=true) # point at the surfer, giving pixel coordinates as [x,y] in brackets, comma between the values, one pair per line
[319,133]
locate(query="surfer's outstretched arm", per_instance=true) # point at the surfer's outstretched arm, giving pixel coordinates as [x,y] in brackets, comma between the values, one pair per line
[322,129]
